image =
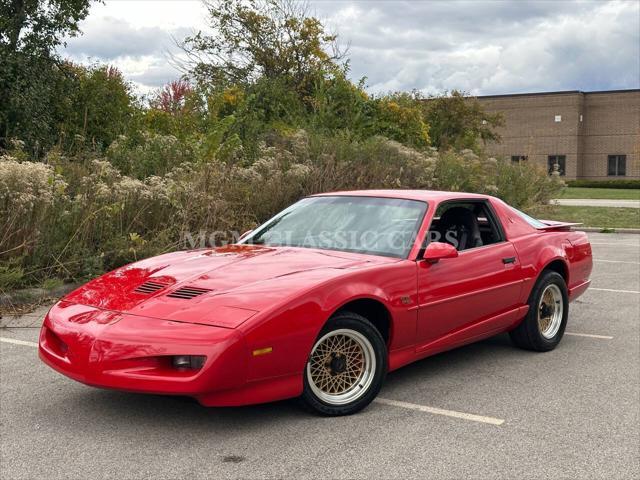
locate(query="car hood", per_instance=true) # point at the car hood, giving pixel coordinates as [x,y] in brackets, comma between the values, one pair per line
[223,287]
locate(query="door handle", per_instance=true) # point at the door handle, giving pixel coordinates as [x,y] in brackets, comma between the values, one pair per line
[508,260]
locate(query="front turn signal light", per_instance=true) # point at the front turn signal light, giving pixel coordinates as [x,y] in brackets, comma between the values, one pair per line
[188,362]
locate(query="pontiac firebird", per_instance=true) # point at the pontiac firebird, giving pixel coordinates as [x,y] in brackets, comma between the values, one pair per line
[321,301]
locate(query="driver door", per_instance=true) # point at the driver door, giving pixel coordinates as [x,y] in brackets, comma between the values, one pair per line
[471,296]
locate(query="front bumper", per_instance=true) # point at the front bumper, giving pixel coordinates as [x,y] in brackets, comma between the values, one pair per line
[126,352]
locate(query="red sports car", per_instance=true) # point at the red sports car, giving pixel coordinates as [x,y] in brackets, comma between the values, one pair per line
[323,300]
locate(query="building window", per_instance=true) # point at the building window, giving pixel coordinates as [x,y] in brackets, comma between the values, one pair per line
[558,118]
[560,161]
[518,158]
[617,165]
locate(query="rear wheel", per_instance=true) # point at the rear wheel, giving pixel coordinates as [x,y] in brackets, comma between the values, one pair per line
[543,327]
[346,366]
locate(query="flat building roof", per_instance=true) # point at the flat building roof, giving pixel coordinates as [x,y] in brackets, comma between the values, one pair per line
[560,92]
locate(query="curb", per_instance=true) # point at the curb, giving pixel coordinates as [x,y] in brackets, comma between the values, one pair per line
[609,230]
[31,319]
[31,296]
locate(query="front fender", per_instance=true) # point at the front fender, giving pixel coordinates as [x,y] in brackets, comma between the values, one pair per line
[289,331]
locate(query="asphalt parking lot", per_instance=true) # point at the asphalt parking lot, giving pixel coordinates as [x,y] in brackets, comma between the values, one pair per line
[487,410]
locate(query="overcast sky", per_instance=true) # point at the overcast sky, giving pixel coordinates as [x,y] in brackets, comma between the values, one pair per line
[481,47]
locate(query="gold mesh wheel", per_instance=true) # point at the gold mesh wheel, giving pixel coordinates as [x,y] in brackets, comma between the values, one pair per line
[341,366]
[550,311]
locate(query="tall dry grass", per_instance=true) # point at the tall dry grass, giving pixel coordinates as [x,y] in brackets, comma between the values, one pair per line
[72,218]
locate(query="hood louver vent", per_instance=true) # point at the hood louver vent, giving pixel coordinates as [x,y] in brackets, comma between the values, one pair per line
[187,293]
[147,288]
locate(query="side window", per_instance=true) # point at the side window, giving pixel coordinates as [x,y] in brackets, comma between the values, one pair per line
[465,225]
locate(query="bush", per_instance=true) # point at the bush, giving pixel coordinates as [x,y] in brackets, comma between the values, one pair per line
[524,184]
[266,114]
[465,172]
[11,276]
[31,194]
[79,216]
[624,184]
[154,154]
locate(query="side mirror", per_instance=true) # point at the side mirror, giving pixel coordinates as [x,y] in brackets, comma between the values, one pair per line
[436,251]
[245,234]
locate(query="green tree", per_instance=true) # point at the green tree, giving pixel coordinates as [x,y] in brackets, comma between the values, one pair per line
[458,121]
[31,72]
[38,26]
[262,39]
[175,109]
[101,106]
[400,117]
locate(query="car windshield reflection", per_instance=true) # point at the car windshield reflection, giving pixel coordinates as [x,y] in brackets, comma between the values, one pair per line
[370,225]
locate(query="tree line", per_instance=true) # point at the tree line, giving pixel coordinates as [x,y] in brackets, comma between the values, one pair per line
[270,67]
[92,176]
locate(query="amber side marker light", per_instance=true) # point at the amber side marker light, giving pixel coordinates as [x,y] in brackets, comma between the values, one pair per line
[262,351]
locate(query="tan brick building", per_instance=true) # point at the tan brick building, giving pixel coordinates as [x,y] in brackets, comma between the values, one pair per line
[589,135]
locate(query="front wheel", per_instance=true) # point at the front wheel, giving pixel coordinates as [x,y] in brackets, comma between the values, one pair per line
[543,327]
[346,367]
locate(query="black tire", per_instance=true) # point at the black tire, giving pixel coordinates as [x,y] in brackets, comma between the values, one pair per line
[528,335]
[347,322]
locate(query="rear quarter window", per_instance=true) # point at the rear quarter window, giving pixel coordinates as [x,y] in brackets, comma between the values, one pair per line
[529,219]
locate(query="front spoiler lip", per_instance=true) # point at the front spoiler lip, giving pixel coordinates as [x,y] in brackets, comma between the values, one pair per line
[106,354]
[107,381]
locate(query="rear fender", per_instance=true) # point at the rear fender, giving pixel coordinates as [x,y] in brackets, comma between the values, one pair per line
[580,263]
[533,266]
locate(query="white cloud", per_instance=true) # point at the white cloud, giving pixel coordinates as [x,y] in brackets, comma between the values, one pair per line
[110,37]
[164,14]
[482,47]
[137,37]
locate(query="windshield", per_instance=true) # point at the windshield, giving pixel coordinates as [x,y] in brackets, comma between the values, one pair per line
[377,226]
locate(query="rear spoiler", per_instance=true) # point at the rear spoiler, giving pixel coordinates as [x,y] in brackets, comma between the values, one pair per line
[557,226]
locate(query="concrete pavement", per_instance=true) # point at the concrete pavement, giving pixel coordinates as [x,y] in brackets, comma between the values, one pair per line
[570,413]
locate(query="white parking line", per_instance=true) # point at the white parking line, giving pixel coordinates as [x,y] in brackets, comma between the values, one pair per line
[440,411]
[589,335]
[18,342]
[617,244]
[615,261]
[385,401]
[612,290]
